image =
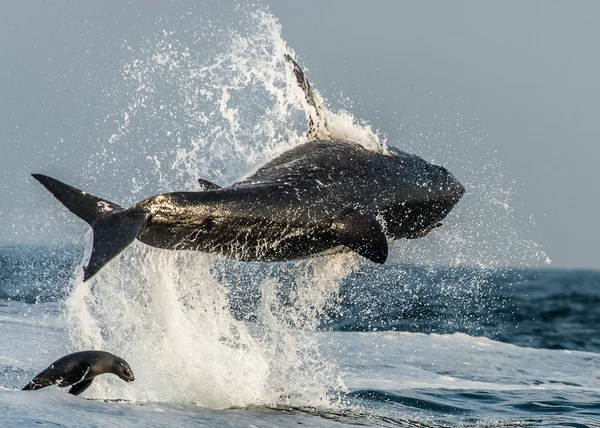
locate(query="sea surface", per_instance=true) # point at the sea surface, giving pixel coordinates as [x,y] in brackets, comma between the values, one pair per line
[442,335]
[409,346]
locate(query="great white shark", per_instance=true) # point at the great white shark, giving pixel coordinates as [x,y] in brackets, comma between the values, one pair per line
[321,196]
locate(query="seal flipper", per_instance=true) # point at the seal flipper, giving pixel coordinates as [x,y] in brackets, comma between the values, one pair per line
[114,228]
[50,376]
[361,233]
[78,388]
[37,383]
[207,185]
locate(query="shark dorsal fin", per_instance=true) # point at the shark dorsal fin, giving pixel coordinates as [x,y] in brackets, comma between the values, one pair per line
[207,185]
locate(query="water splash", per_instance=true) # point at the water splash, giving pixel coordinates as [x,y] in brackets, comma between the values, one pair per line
[168,313]
[176,113]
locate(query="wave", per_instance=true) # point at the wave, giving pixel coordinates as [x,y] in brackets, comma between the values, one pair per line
[550,309]
[34,274]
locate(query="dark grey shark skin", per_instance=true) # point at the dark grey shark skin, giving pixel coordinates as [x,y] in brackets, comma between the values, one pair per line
[298,204]
[79,369]
[310,199]
[322,195]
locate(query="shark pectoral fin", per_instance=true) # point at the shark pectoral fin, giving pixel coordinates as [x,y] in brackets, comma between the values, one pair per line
[207,185]
[361,233]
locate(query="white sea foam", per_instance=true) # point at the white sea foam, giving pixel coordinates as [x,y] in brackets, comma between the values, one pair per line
[402,360]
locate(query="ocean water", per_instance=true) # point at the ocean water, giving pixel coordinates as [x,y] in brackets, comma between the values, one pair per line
[443,334]
[389,349]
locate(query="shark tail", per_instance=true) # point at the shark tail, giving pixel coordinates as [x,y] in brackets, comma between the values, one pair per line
[114,228]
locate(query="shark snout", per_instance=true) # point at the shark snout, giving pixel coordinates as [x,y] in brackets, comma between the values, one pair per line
[445,186]
[455,189]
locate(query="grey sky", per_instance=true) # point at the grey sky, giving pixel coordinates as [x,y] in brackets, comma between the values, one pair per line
[521,76]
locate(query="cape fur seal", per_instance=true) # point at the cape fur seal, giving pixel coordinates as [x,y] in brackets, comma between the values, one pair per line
[79,369]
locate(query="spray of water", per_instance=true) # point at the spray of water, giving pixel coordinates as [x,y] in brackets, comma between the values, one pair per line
[178,112]
[169,313]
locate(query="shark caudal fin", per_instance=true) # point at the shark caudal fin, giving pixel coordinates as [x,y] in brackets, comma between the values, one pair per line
[114,228]
[318,128]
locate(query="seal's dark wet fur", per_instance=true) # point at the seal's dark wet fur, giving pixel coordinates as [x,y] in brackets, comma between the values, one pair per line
[79,369]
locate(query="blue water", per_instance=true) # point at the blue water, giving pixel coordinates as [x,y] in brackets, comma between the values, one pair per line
[415,346]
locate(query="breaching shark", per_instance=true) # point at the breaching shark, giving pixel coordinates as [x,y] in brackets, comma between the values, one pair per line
[321,196]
